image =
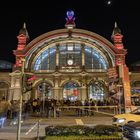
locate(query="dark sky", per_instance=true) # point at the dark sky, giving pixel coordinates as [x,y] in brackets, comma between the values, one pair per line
[93,15]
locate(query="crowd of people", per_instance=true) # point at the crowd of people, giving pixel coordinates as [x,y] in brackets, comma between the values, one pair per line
[49,107]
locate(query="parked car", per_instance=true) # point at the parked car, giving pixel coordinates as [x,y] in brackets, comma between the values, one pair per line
[131,131]
[122,119]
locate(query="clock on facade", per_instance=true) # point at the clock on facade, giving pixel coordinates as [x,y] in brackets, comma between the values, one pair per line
[70,62]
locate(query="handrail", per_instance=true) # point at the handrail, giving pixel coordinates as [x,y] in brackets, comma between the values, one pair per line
[95,107]
[87,106]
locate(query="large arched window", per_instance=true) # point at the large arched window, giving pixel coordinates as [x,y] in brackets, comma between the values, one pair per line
[94,60]
[70,55]
[70,51]
[96,90]
[46,60]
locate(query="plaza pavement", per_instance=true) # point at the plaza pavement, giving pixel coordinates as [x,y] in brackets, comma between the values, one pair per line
[29,126]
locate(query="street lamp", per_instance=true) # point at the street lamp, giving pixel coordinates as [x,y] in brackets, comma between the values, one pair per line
[43,96]
[20,104]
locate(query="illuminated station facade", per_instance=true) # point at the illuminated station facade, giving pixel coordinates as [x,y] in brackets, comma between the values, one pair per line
[70,63]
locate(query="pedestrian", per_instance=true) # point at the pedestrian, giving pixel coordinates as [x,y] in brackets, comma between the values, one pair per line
[15,107]
[86,104]
[58,110]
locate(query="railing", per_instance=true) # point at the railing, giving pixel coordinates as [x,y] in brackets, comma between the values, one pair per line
[107,110]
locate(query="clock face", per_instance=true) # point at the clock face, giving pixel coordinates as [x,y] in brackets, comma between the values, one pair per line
[70,62]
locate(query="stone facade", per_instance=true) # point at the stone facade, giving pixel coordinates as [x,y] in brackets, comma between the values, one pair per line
[69,63]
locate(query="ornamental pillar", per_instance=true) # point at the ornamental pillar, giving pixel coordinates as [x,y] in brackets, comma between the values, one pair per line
[123,70]
[15,88]
[56,89]
[83,55]
[23,39]
[33,93]
[57,55]
[84,95]
[48,59]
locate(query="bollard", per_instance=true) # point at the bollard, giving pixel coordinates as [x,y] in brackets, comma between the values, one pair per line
[54,112]
[38,126]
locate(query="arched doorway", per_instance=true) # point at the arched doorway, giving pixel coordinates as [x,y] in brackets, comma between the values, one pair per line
[4,88]
[70,91]
[44,90]
[96,90]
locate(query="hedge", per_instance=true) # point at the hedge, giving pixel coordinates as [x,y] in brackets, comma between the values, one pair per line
[80,130]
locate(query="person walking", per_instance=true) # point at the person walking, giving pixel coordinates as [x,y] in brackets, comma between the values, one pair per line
[4,106]
[15,107]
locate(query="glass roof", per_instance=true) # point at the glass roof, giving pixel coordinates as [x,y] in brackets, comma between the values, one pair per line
[5,64]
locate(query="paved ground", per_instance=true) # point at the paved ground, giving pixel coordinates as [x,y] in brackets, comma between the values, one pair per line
[9,132]
[29,126]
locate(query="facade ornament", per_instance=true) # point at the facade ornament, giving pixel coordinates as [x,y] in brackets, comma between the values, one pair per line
[70,24]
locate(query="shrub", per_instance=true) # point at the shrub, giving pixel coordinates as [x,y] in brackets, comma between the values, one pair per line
[105,129]
[78,130]
[65,130]
[57,130]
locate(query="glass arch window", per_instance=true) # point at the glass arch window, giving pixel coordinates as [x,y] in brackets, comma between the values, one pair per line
[96,91]
[70,52]
[94,60]
[46,60]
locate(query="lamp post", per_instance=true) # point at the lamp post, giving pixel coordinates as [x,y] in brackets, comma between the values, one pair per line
[43,97]
[20,103]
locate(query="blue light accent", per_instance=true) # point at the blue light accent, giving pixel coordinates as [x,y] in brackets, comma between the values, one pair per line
[70,14]
[135,90]
[97,55]
[89,51]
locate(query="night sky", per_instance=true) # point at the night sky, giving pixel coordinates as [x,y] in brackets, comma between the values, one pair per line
[97,16]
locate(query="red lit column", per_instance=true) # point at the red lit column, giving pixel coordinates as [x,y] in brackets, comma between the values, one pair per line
[123,70]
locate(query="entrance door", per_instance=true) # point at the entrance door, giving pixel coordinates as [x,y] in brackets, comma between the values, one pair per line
[70,91]
[96,90]
[44,90]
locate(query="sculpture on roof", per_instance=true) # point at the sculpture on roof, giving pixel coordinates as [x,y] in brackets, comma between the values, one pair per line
[70,19]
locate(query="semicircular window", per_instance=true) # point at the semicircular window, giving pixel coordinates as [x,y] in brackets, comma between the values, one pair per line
[46,60]
[94,60]
[70,56]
